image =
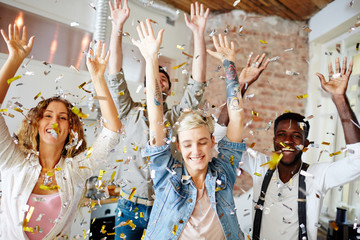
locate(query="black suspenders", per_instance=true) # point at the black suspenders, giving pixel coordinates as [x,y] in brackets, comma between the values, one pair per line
[301,204]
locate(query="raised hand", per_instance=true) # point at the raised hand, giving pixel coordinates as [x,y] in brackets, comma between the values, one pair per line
[198,18]
[224,51]
[148,45]
[18,47]
[97,60]
[252,72]
[338,82]
[119,13]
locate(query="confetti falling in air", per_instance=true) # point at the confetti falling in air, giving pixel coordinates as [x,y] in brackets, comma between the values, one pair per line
[74,24]
[302,96]
[290,73]
[181,47]
[10,80]
[263,42]
[275,159]
[236,3]
[179,66]
[37,95]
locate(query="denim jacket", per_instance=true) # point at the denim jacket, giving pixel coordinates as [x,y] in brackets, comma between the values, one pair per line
[176,193]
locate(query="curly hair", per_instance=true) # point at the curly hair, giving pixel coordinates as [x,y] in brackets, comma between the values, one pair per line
[28,134]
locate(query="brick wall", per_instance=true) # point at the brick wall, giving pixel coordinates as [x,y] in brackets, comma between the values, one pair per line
[274,92]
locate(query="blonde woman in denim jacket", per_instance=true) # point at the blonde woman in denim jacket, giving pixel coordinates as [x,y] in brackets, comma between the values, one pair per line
[194,199]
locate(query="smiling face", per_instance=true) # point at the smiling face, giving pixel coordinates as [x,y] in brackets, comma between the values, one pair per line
[195,146]
[55,113]
[289,140]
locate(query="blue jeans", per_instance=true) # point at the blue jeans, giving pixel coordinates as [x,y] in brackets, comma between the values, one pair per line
[127,210]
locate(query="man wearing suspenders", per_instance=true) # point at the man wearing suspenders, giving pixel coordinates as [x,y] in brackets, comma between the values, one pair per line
[288,196]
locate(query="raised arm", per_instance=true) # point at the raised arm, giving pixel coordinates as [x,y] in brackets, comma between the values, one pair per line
[226,54]
[197,25]
[19,49]
[337,86]
[119,14]
[149,47]
[96,62]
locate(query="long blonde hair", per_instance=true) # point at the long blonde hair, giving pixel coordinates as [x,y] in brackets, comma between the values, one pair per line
[28,134]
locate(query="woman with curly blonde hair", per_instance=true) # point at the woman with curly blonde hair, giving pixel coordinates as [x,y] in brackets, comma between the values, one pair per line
[44,172]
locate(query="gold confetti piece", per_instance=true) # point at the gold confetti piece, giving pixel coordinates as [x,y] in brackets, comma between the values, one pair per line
[18,110]
[305,149]
[9,114]
[113,233]
[287,111]
[125,149]
[112,176]
[27,219]
[218,189]
[334,225]
[232,160]
[275,158]
[82,167]
[180,47]
[120,160]
[93,220]
[257,174]
[302,96]
[188,55]
[82,85]
[54,187]
[122,235]
[168,124]
[93,204]
[10,80]
[252,145]
[175,229]
[248,236]
[103,229]
[101,173]
[55,127]
[335,153]
[132,193]
[38,95]
[84,234]
[263,42]
[283,144]
[179,66]
[254,113]
[325,143]
[306,28]
[50,174]
[136,148]
[79,113]
[89,151]
[141,214]
[3,110]
[136,209]
[121,93]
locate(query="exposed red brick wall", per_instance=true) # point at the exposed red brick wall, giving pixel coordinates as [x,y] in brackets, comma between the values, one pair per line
[274,92]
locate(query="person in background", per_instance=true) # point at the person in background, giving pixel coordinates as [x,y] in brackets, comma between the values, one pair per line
[287,192]
[134,176]
[44,173]
[194,198]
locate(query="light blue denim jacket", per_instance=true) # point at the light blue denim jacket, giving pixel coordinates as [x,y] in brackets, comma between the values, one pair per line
[175,196]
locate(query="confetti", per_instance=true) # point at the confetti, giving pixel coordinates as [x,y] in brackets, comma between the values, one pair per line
[334,225]
[89,151]
[132,193]
[302,96]
[236,3]
[274,59]
[335,153]
[188,55]
[59,78]
[54,187]
[74,24]
[257,174]
[74,69]
[290,73]
[181,47]
[79,113]
[325,143]
[263,42]
[92,6]
[38,95]
[254,113]
[306,174]
[232,160]
[10,80]
[175,229]
[212,33]
[179,66]
[275,159]
[82,85]
[289,50]
[307,29]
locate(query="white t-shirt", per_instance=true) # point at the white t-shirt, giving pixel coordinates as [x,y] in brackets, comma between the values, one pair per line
[280,209]
[203,223]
